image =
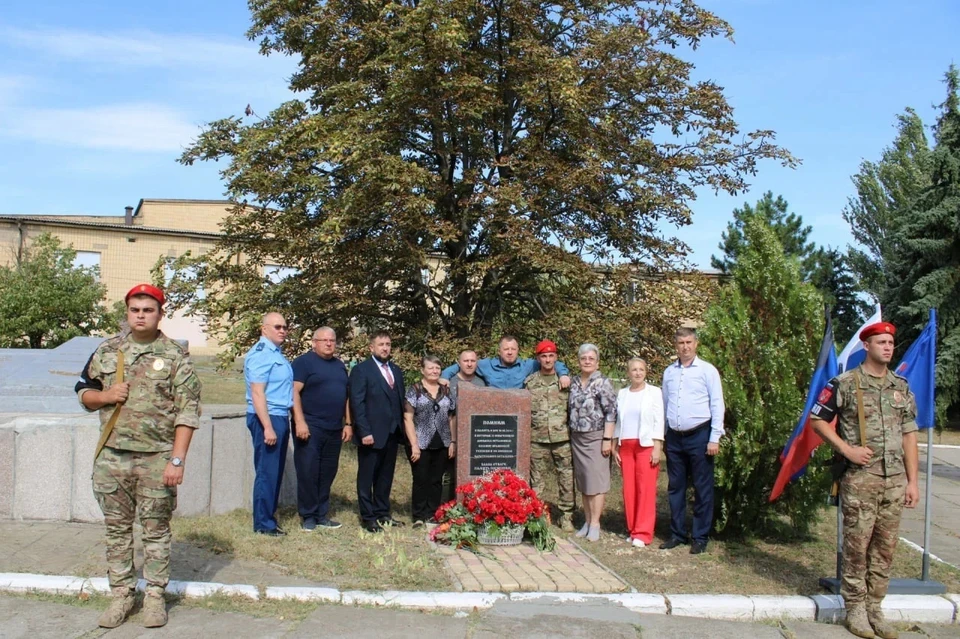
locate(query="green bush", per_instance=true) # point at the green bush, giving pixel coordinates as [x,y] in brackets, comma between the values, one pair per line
[763,333]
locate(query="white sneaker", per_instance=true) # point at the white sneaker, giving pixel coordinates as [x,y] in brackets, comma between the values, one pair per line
[638,544]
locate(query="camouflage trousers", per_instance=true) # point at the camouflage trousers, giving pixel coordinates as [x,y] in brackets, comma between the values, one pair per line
[555,460]
[128,486]
[871,522]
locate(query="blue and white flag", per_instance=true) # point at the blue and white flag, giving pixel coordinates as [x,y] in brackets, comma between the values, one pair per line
[853,353]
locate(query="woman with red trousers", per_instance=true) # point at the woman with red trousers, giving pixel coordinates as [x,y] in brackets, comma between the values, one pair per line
[638,443]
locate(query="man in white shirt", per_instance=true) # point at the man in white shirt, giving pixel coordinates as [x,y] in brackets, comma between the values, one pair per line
[693,399]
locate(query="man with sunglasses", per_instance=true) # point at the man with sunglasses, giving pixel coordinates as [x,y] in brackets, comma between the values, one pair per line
[269,379]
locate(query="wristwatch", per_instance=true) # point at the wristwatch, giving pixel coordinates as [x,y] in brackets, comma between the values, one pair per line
[176,462]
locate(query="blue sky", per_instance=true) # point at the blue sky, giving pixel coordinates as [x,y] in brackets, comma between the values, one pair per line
[97,99]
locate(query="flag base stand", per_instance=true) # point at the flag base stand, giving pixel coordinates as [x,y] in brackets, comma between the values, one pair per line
[897,586]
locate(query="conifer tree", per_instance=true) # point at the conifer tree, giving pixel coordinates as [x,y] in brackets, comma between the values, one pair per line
[887,191]
[926,271]
[763,334]
[789,228]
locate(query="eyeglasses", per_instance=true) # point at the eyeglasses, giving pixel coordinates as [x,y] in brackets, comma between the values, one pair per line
[279,327]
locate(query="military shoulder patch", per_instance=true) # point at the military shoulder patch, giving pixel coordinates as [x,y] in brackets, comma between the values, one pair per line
[259,347]
[825,395]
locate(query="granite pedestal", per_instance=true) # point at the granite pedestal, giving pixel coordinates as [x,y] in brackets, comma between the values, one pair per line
[493,431]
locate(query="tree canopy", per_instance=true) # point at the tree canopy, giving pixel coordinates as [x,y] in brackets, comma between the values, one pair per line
[45,300]
[452,169]
[906,216]
[826,268]
[789,228]
[886,193]
[925,270]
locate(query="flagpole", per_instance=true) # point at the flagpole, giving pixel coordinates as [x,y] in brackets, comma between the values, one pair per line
[925,570]
[839,540]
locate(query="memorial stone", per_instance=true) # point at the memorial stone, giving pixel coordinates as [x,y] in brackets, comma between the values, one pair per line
[493,431]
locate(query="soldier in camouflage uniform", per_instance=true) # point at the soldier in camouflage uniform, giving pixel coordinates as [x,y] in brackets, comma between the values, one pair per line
[550,452]
[881,477]
[141,464]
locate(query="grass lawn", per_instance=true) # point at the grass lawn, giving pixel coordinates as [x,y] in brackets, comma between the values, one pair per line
[403,559]
[749,566]
[220,387]
[347,558]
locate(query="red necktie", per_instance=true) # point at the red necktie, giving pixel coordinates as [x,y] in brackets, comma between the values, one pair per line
[389,375]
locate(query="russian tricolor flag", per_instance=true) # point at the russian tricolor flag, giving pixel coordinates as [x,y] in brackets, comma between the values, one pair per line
[853,353]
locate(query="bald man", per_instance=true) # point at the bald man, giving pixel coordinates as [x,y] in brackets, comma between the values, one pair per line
[269,379]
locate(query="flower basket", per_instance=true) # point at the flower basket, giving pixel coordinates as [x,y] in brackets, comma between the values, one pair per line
[497,509]
[504,536]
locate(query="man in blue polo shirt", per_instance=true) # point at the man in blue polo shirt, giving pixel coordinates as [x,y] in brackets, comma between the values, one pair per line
[507,370]
[269,378]
[319,406]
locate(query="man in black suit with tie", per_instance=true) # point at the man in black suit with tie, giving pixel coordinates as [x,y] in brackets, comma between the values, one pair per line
[376,404]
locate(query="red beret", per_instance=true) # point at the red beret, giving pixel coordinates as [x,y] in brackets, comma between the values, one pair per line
[145,289]
[880,328]
[546,346]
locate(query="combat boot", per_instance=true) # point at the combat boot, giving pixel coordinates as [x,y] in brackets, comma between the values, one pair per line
[881,627]
[857,622]
[566,525]
[120,606]
[154,611]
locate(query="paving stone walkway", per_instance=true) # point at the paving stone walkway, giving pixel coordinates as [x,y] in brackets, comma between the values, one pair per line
[523,568]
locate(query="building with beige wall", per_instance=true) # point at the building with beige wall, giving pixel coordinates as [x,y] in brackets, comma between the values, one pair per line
[126,247]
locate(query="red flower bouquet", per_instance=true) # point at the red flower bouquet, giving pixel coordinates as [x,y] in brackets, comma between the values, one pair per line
[493,505]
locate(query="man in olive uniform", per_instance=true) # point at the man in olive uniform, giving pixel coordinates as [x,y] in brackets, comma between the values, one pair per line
[136,473]
[881,476]
[550,452]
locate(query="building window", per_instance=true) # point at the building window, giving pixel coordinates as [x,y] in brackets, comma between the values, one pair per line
[88,260]
[275,273]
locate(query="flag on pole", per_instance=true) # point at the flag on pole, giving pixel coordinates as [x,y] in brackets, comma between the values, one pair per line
[918,366]
[804,440]
[853,353]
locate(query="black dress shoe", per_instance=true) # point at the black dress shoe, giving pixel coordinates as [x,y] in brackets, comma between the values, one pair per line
[372,527]
[673,543]
[274,532]
[698,547]
[391,522]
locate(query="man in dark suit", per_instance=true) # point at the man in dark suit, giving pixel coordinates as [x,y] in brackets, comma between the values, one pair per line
[376,404]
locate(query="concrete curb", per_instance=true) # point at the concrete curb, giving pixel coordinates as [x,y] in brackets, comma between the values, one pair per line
[823,608]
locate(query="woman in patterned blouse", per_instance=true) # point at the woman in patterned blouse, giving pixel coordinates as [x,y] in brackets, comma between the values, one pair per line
[430,422]
[593,416]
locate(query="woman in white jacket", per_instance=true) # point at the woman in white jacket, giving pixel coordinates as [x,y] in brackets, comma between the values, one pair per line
[638,443]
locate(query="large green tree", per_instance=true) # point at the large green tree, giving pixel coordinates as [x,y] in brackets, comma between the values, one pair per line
[789,228]
[453,168]
[45,300]
[887,191]
[833,277]
[925,272]
[763,334]
[826,268]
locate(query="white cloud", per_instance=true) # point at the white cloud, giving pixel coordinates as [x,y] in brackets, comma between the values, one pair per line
[13,87]
[141,49]
[130,127]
